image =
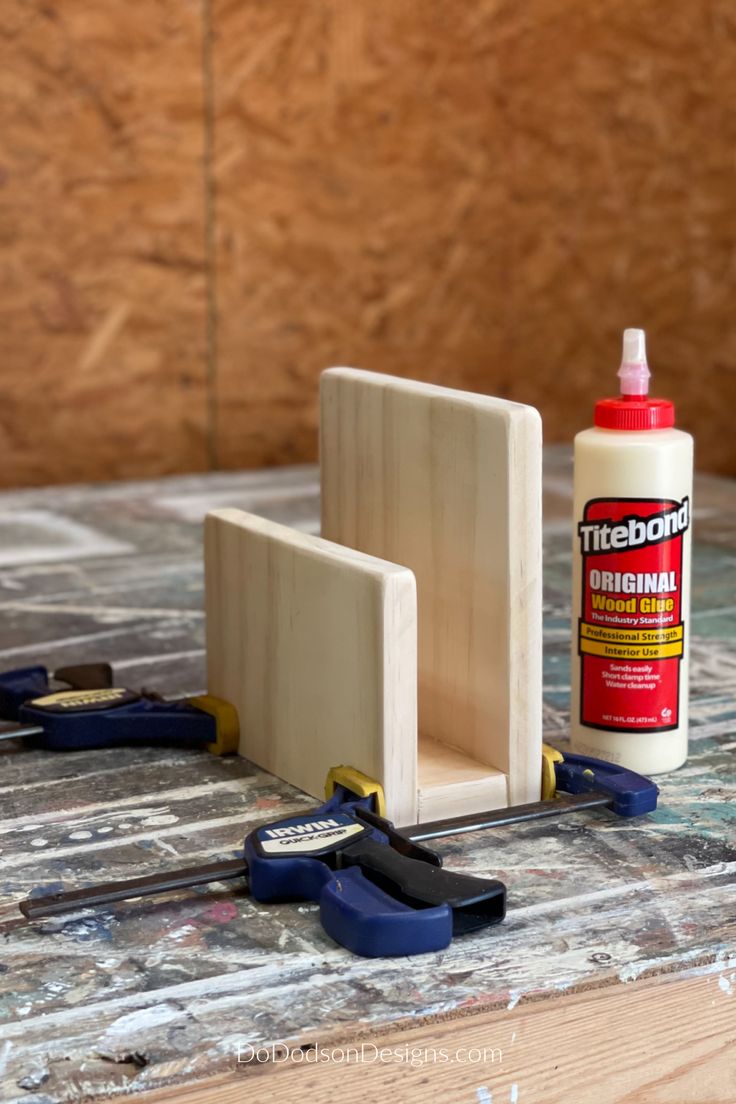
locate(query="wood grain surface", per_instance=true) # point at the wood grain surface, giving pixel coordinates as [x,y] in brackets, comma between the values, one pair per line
[102,284]
[316,647]
[613,975]
[481,195]
[203,205]
[525,1055]
[450,484]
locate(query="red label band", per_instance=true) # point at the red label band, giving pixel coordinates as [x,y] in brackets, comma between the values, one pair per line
[631,635]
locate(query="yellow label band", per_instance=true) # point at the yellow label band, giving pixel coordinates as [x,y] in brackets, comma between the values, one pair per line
[664,635]
[631,651]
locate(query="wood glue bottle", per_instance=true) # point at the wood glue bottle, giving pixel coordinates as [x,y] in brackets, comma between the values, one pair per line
[631,577]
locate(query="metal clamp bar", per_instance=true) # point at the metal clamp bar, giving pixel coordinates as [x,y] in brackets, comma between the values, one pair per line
[55,903]
[496,818]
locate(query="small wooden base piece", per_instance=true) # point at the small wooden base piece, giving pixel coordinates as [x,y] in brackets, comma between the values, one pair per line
[450,782]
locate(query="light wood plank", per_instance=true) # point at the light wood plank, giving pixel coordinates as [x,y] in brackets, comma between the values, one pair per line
[659,1041]
[104,279]
[449,483]
[450,782]
[315,645]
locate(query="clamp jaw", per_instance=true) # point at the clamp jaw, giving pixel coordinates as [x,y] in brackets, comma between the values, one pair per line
[630,794]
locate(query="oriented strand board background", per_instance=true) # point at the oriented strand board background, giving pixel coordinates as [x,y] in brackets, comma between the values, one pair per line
[208,203]
[102,279]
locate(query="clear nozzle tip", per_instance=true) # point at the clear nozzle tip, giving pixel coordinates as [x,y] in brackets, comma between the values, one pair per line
[634,371]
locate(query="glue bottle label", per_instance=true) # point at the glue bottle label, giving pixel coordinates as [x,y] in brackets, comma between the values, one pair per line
[631,635]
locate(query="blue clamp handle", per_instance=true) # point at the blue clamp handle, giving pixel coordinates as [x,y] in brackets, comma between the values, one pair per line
[360,916]
[288,861]
[631,794]
[18,686]
[23,684]
[348,867]
[116,717]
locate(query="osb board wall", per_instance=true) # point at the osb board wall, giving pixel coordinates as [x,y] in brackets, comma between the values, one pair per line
[102,277]
[208,203]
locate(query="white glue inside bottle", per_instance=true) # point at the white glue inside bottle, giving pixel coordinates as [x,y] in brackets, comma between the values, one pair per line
[631,577]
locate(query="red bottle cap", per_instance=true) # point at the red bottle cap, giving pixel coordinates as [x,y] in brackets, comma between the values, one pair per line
[634,412]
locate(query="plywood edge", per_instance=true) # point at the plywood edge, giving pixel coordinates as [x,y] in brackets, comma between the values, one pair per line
[525,609]
[309,542]
[400,703]
[478,400]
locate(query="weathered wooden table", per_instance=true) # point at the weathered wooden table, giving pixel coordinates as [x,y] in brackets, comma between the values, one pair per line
[613,979]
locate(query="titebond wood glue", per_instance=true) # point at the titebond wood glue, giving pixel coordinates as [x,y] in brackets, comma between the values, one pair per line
[631,577]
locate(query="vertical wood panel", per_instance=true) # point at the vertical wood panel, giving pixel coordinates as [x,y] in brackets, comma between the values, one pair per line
[451,487]
[102,285]
[315,645]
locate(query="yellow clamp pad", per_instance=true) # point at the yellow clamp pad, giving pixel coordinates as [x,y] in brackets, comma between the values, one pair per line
[227,728]
[550,756]
[358,783]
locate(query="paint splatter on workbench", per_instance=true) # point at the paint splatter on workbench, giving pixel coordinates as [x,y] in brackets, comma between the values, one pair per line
[147,992]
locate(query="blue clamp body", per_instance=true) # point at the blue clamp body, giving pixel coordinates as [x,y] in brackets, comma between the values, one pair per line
[26,683]
[631,794]
[18,686]
[84,719]
[372,899]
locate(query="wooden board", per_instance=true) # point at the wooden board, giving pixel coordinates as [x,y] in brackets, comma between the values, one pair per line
[439,189]
[449,484]
[202,204]
[450,782]
[528,1054]
[315,645]
[104,280]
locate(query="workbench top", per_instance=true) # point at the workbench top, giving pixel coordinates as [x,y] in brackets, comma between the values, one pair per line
[619,944]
